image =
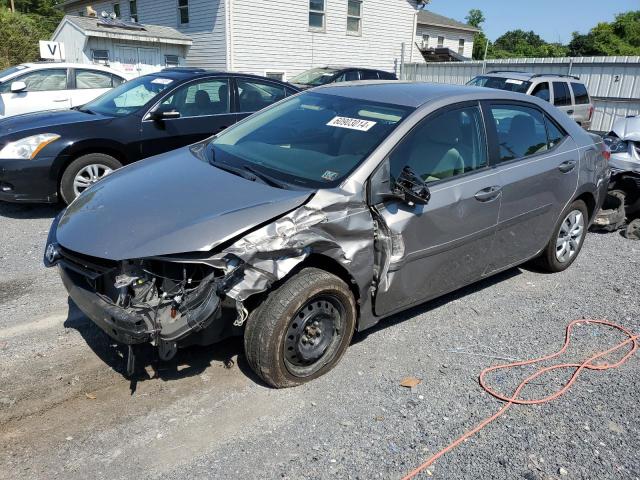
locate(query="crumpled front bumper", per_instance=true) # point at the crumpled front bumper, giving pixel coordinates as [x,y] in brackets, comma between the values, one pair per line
[116,322]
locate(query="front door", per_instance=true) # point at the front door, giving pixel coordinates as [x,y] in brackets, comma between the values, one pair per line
[538,169]
[441,246]
[46,89]
[205,108]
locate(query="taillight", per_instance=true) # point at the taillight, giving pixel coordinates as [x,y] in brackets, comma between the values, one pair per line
[591,109]
[606,151]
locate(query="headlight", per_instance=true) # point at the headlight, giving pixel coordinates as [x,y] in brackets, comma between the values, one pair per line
[616,145]
[27,148]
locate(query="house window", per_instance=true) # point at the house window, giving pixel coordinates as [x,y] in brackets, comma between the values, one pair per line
[354,17]
[316,14]
[100,56]
[133,10]
[461,46]
[440,42]
[171,61]
[116,9]
[183,11]
[425,41]
[275,75]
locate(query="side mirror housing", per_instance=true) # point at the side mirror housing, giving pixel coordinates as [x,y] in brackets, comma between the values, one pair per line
[410,188]
[17,87]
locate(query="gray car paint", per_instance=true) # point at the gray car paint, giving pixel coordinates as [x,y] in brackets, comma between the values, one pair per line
[338,225]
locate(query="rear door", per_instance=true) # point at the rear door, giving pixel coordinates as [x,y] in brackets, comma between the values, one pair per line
[254,95]
[562,98]
[47,89]
[445,244]
[205,107]
[88,84]
[582,104]
[538,165]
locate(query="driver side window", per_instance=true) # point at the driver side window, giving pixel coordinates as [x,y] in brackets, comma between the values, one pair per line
[444,145]
[206,97]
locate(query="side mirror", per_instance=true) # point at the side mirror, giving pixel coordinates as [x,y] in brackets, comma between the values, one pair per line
[410,188]
[17,87]
[161,115]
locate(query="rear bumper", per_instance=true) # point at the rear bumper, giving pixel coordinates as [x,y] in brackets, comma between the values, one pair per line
[28,181]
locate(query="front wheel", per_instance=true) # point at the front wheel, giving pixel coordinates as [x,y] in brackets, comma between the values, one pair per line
[85,171]
[567,238]
[301,330]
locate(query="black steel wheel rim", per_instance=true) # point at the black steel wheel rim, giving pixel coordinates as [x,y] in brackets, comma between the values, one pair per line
[314,335]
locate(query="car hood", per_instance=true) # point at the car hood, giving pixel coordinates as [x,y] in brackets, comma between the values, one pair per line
[169,204]
[54,120]
[628,129]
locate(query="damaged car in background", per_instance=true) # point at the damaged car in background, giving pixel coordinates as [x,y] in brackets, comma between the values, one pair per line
[324,214]
[624,143]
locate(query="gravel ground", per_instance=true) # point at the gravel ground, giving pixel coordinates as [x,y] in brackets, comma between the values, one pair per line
[66,411]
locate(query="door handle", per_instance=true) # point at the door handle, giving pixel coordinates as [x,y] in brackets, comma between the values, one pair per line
[488,194]
[569,112]
[60,99]
[566,167]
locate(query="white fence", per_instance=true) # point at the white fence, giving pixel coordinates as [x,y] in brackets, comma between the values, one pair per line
[613,82]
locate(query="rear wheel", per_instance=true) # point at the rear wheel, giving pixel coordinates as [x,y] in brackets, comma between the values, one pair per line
[85,171]
[301,330]
[567,239]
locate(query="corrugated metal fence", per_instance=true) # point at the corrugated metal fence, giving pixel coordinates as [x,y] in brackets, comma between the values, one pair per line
[613,82]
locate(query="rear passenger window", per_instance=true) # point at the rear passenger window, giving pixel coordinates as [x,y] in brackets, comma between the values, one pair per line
[542,91]
[368,75]
[255,95]
[444,145]
[521,131]
[348,76]
[580,92]
[554,134]
[561,95]
[93,79]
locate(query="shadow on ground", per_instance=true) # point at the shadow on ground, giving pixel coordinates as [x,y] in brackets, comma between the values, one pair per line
[22,211]
[195,360]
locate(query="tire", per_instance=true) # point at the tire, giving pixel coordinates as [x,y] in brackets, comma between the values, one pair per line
[302,308]
[550,259]
[81,168]
[630,198]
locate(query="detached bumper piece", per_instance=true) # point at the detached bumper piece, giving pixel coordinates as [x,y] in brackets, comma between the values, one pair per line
[141,301]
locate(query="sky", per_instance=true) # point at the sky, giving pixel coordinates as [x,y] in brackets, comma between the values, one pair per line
[553,20]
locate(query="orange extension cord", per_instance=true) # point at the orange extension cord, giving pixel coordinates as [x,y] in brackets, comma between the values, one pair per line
[588,364]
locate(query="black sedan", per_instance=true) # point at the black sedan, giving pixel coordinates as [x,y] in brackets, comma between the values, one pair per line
[326,75]
[51,155]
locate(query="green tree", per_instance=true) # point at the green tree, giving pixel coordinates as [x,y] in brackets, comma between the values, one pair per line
[476,18]
[621,37]
[519,43]
[19,35]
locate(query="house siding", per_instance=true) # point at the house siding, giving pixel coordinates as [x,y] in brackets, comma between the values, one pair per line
[276,36]
[451,38]
[207,25]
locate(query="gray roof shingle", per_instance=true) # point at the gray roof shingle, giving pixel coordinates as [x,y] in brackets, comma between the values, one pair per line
[429,18]
[151,33]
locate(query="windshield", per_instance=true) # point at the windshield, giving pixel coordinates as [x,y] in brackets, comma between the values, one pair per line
[312,140]
[129,97]
[500,83]
[315,77]
[11,70]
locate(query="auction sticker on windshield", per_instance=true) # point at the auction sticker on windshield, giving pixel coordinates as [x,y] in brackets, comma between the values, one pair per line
[162,81]
[351,123]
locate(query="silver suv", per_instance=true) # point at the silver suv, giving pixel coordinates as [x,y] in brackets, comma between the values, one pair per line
[566,92]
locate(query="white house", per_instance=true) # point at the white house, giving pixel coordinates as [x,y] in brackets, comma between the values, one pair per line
[281,38]
[132,49]
[436,31]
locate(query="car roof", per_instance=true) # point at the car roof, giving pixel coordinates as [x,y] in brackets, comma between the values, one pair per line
[414,94]
[68,65]
[529,76]
[188,73]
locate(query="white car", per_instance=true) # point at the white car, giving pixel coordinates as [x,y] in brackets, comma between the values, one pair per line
[35,87]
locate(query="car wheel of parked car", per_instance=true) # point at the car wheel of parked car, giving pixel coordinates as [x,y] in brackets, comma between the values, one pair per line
[567,239]
[301,330]
[85,171]
[630,198]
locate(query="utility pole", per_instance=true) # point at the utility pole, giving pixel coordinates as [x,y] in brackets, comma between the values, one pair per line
[13,7]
